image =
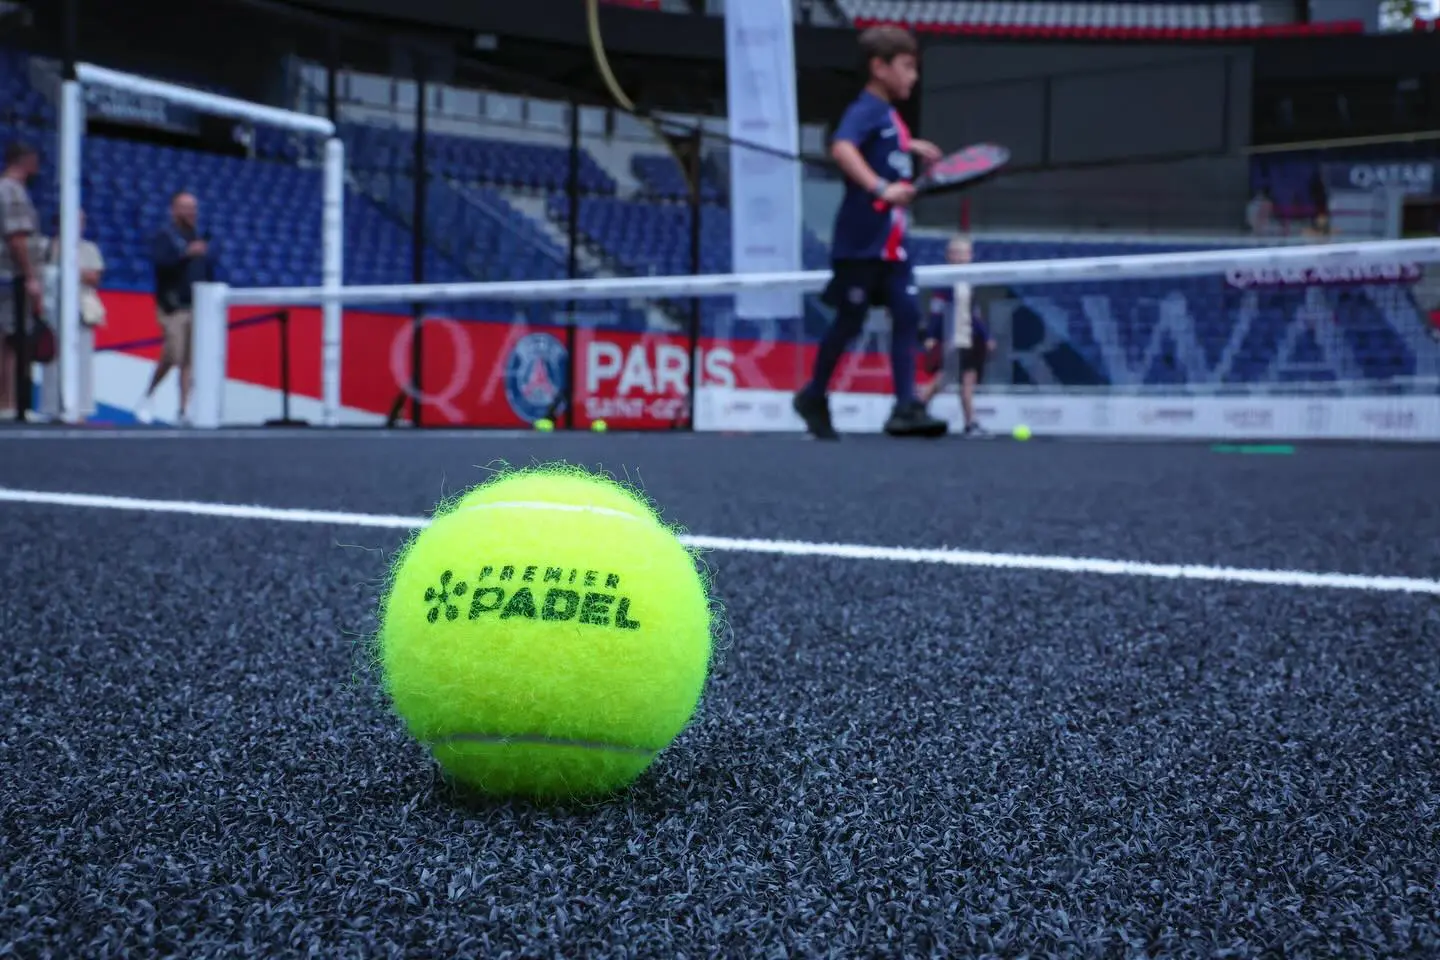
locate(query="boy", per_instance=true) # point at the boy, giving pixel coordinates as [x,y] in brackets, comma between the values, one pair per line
[870,264]
[970,340]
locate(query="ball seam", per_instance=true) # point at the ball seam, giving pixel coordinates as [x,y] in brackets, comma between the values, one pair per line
[539,740]
[543,505]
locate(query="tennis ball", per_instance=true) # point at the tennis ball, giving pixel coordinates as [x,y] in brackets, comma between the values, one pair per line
[544,424]
[1021,432]
[599,426]
[546,635]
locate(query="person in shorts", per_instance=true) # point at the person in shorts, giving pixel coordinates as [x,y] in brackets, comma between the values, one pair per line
[870,263]
[19,272]
[182,258]
[970,340]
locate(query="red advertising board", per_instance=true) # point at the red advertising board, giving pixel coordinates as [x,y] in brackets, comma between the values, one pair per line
[498,374]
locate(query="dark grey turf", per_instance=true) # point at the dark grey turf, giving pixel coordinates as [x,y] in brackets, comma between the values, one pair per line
[890,759]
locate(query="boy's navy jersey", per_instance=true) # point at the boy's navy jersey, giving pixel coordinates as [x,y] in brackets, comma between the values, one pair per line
[865,228]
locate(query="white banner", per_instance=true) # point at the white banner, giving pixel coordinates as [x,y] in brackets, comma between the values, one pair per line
[1414,418]
[765,210]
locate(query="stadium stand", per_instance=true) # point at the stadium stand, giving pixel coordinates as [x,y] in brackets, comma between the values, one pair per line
[1293,178]
[1124,20]
[19,98]
[1127,333]
[660,176]
[1089,21]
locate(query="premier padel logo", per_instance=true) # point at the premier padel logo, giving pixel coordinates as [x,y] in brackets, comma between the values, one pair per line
[533,592]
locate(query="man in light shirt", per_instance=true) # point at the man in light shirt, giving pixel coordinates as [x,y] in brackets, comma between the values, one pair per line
[19,274]
[970,340]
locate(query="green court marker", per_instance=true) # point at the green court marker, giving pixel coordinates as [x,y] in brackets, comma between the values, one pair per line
[1270,449]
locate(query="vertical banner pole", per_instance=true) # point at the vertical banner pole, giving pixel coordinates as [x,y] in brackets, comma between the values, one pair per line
[763,109]
[284,325]
[695,143]
[572,262]
[417,248]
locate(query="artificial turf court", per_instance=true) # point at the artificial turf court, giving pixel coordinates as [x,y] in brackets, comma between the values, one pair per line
[984,742]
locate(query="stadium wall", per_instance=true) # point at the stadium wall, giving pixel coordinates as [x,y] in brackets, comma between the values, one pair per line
[1067,105]
[1192,195]
[1102,136]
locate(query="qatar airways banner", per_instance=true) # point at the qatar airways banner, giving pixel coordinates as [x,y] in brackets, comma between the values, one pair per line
[1413,178]
[1326,276]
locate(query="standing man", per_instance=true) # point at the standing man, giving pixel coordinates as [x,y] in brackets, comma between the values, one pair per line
[182,259]
[870,263]
[19,274]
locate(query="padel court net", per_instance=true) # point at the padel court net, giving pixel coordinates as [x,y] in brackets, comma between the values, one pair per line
[1337,341]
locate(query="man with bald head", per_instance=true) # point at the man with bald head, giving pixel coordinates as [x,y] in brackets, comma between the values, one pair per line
[182,258]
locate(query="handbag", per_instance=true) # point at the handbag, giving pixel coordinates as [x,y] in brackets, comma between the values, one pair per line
[40,342]
[43,347]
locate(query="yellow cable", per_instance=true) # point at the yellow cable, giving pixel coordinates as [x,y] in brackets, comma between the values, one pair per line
[602,63]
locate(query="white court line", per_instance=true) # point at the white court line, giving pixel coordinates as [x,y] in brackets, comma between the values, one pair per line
[788,548]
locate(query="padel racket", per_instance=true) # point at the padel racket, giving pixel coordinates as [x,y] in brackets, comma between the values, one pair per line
[963,168]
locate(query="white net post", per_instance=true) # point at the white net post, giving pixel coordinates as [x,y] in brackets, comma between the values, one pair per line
[209,380]
[72,121]
[209,354]
[332,277]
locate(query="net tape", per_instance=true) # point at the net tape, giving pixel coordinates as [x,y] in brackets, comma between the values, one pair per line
[1334,260]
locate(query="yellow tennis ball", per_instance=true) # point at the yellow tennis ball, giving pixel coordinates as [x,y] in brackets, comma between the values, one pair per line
[1021,432]
[544,424]
[546,635]
[599,426]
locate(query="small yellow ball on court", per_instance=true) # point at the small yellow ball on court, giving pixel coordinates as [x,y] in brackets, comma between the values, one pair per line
[599,426]
[544,424]
[1021,432]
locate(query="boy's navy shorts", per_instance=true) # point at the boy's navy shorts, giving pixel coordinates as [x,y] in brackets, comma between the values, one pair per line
[875,283]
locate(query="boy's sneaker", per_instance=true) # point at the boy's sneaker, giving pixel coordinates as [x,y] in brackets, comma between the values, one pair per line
[973,431]
[913,420]
[815,411]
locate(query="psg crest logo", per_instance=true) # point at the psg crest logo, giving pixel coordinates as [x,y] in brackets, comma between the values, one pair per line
[535,375]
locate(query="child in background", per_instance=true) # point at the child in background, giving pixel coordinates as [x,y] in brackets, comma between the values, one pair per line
[970,340]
